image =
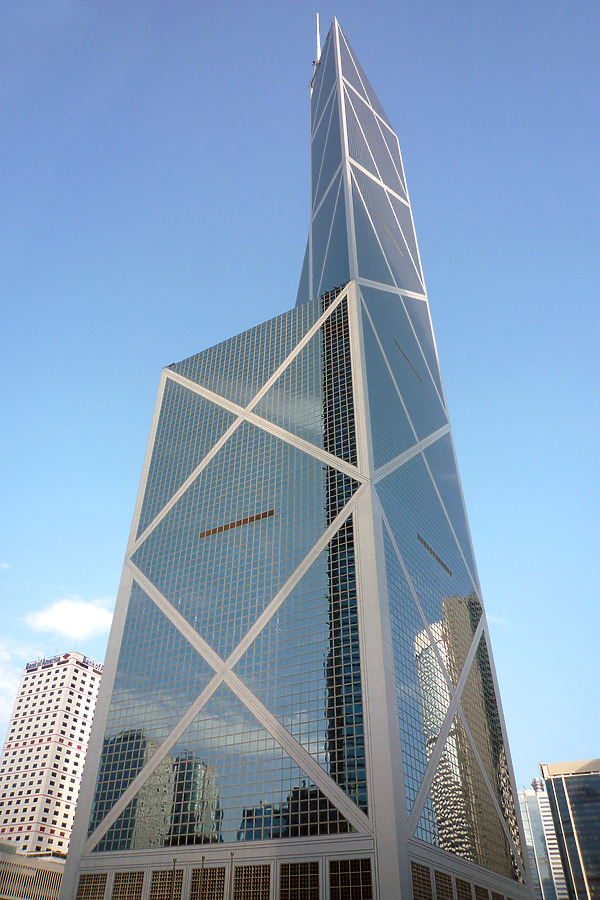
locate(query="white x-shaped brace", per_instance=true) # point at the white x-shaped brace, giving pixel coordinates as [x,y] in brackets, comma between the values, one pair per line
[223,669]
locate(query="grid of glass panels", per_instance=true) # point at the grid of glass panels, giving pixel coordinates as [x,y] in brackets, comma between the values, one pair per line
[324,82]
[369,149]
[254,790]
[460,816]
[418,312]
[188,427]
[159,675]
[441,460]
[238,367]
[432,558]
[391,432]
[391,223]
[480,709]
[422,691]
[330,262]
[305,666]
[326,150]
[402,351]
[353,72]
[221,581]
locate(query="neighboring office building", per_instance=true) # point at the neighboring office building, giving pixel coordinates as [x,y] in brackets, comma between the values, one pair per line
[29,877]
[44,752]
[574,794]
[540,837]
[300,610]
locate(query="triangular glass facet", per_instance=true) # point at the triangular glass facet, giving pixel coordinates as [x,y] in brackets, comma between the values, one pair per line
[480,709]
[418,313]
[394,329]
[324,80]
[438,574]
[363,120]
[188,426]
[357,142]
[303,295]
[328,159]
[422,690]
[238,368]
[317,146]
[304,667]
[159,675]
[244,787]
[258,500]
[459,815]
[330,263]
[387,229]
[372,263]
[442,464]
[391,433]
[351,65]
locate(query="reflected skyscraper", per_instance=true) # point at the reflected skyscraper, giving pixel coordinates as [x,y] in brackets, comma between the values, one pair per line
[300,609]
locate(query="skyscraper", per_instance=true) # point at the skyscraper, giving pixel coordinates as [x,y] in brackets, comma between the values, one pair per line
[300,612]
[574,794]
[540,837]
[44,752]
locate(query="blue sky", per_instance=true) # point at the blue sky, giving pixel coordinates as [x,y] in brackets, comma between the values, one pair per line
[155,200]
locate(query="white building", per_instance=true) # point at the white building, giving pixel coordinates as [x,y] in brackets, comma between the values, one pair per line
[44,752]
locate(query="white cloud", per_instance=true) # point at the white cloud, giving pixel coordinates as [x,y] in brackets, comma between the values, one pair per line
[4,565]
[74,618]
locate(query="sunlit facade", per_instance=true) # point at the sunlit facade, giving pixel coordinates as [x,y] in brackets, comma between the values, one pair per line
[300,699]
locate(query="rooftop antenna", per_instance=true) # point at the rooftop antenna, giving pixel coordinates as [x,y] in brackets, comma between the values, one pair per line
[318,41]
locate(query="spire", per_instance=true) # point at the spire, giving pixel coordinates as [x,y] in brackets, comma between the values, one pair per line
[361,223]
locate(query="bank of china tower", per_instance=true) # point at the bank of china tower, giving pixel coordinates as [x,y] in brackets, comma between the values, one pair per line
[299,701]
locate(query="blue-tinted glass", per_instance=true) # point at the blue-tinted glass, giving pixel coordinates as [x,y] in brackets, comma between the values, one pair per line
[404,356]
[246,788]
[303,287]
[584,801]
[459,815]
[336,267]
[391,433]
[325,77]
[364,120]
[357,142]
[391,141]
[404,219]
[388,231]
[295,401]
[357,77]
[372,263]
[329,241]
[317,145]
[159,675]
[305,666]
[413,655]
[239,531]
[188,427]
[331,156]
[432,559]
[238,368]
[418,313]
[442,463]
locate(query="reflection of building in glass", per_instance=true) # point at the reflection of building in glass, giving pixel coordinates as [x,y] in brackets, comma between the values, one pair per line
[146,821]
[548,878]
[574,795]
[300,607]
[196,816]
